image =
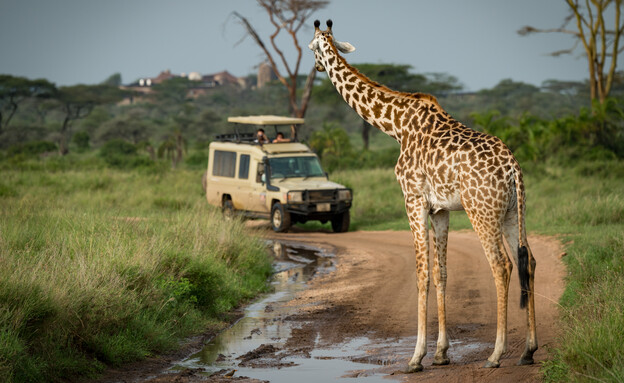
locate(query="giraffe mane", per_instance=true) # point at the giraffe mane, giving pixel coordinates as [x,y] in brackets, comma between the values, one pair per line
[375,84]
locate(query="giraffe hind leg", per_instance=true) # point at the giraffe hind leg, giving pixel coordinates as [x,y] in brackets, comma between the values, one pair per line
[487,224]
[523,257]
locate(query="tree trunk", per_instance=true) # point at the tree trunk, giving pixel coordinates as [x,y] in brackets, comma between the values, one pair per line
[63,139]
[366,134]
[151,151]
[179,147]
[305,101]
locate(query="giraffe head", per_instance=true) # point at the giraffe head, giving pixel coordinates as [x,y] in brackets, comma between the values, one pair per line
[322,42]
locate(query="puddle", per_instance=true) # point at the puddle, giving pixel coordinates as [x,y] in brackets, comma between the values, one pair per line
[253,345]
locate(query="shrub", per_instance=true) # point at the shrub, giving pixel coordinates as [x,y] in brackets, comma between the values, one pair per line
[196,160]
[117,147]
[124,155]
[32,148]
[81,140]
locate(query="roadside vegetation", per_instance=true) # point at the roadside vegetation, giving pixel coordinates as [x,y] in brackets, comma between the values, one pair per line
[101,266]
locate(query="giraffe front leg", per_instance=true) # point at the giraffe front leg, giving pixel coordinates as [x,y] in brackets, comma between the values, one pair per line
[440,224]
[417,214]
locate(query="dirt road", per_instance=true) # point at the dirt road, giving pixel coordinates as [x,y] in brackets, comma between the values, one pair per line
[372,295]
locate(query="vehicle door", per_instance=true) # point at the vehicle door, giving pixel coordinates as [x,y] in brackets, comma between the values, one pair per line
[240,191]
[257,191]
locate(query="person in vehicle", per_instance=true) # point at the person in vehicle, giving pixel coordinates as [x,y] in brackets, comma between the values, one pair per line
[261,138]
[280,138]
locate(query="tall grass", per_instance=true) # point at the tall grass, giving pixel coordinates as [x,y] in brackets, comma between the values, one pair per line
[102,268]
[582,204]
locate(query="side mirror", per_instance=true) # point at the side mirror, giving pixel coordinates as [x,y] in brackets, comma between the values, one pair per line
[260,176]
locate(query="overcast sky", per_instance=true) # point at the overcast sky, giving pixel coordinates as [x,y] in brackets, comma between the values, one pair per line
[85,41]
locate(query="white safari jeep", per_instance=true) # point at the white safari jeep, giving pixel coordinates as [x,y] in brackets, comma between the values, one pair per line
[281,181]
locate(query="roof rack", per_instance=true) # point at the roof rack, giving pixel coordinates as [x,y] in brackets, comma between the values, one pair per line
[237,137]
[266,120]
[261,120]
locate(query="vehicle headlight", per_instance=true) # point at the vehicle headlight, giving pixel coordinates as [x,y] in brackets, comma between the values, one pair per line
[344,194]
[295,197]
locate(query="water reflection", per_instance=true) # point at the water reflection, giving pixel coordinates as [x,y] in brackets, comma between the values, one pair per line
[263,324]
[293,266]
[263,328]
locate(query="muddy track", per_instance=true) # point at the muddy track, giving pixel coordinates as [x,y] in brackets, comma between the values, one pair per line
[372,295]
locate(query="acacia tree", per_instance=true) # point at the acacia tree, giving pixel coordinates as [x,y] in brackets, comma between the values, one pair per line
[14,90]
[287,16]
[600,40]
[77,102]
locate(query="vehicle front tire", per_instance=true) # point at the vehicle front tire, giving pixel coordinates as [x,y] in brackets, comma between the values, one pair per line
[280,218]
[340,222]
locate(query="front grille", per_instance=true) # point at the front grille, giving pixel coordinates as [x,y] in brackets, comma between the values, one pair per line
[321,195]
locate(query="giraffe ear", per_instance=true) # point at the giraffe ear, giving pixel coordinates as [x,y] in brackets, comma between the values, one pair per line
[344,47]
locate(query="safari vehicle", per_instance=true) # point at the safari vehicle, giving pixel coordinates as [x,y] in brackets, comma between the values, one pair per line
[281,181]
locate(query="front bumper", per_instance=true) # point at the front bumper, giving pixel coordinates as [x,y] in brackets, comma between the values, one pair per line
[319,204]
[319,209]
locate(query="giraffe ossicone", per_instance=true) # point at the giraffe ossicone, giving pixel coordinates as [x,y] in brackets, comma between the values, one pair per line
[444,166]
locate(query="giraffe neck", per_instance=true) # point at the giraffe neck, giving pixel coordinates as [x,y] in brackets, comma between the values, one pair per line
[385,109]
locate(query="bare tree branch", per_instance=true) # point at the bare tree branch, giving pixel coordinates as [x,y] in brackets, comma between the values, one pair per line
[601,42]
[288,16]
[252,32]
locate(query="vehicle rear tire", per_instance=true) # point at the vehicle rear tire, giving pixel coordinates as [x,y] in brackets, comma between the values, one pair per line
[340,222]
[227,209]
[280,218]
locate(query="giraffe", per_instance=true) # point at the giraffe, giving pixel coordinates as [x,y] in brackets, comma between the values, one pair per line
[444,166]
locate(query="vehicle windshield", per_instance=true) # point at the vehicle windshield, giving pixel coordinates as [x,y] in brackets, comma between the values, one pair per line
[290,167]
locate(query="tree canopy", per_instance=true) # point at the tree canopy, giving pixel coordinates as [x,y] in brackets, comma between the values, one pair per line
[14,90]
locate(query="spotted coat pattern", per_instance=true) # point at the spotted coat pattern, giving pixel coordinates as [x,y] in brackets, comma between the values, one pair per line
[443,166]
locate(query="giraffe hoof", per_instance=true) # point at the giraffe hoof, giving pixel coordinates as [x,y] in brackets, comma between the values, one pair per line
[525,361]
[411,369]
[527,357]
[490,364]
[441,361]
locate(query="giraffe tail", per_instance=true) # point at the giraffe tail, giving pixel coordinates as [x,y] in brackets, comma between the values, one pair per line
[523,250]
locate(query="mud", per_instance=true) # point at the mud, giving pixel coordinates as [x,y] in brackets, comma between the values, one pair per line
[357,318]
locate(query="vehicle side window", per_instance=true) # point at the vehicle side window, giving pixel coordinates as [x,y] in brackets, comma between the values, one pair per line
[243,167]
[224,163]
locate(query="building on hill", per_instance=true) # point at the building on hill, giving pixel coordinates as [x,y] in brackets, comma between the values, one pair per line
[265,74]
[199,84]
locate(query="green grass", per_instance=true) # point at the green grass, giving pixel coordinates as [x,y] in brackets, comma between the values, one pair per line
[583,205]
[100,267]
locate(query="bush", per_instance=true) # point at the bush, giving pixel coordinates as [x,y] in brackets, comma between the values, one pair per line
[117,147]
[33,148]
[99,271]
[124,155]
[81,140]
[196,160]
